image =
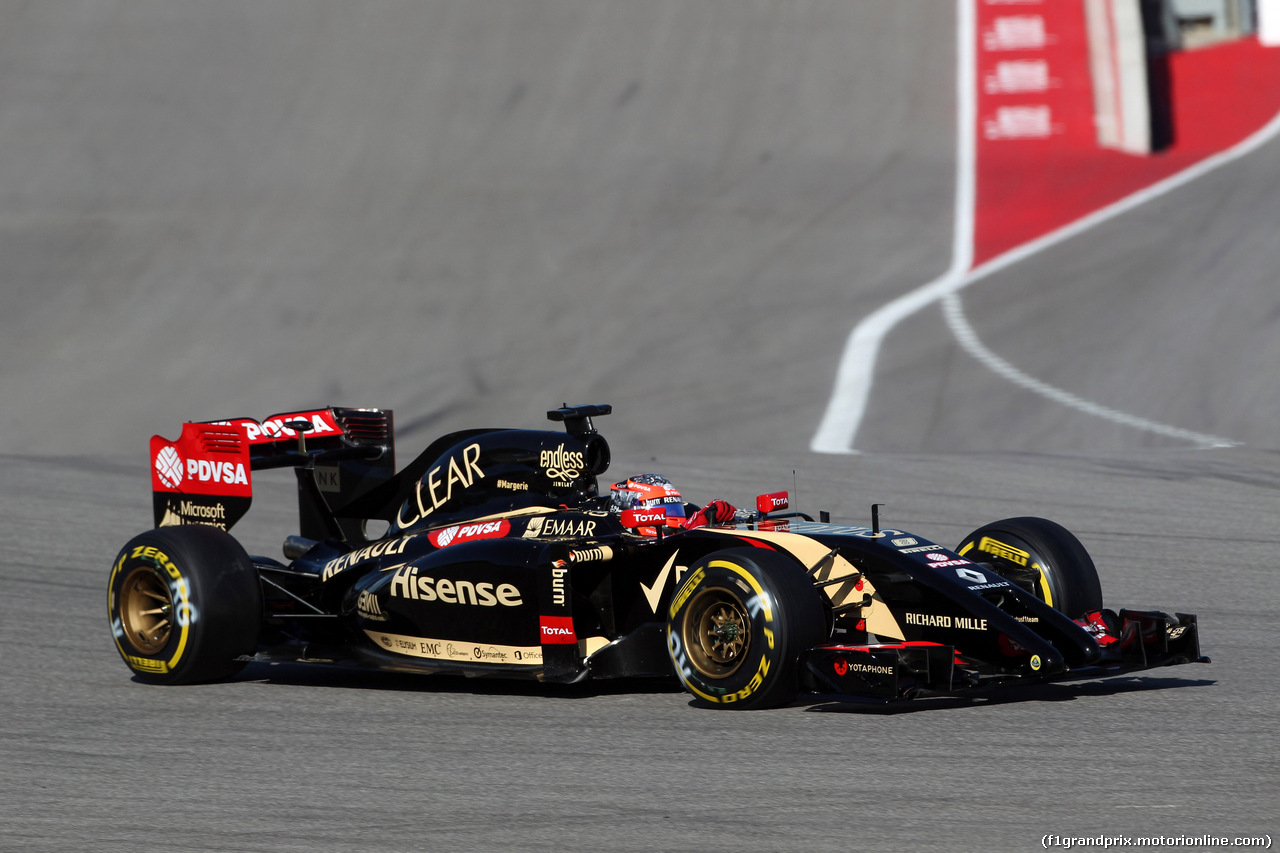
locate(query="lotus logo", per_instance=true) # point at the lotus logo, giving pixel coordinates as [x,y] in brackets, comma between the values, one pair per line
[169,467]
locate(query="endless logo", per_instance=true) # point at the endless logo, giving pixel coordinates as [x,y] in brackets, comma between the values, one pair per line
[562,464]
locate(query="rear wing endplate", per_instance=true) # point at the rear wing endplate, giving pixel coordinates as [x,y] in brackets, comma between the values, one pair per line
[206,475]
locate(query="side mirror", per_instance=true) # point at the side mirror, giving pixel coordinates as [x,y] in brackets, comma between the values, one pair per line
[772,502]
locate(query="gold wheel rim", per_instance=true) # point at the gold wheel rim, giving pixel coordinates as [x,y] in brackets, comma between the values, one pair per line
[146,610]
[717,633]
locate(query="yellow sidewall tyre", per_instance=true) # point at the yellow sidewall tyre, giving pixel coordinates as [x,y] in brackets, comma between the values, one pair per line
[737,624]
[1067,578]
[184,603]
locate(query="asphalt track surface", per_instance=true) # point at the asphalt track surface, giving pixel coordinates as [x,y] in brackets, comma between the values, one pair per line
[471,211]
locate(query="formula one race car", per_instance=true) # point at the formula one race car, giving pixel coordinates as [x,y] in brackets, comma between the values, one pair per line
[496,555]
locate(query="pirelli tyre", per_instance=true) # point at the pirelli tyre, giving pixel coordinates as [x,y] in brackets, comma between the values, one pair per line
[184,603]
[1041,556]
[737,624]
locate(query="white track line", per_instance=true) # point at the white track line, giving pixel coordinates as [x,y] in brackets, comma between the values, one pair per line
[857,367]
[968,339]
[856,372]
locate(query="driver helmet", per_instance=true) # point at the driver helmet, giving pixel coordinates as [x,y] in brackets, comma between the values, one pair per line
[648,491]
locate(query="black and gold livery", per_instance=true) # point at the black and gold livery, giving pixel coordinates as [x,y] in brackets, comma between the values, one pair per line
[497,555]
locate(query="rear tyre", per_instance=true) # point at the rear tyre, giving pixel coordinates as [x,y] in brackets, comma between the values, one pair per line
[1041,556]
[737,625]
[184,603]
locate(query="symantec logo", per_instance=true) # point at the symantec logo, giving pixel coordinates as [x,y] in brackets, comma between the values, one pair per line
[458,533]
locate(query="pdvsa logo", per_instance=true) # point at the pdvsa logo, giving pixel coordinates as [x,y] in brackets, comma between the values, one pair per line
[169,467]
[458,533]
[206,471]
[277,428]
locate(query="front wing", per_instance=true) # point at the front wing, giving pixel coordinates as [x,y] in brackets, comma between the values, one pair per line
[886,672]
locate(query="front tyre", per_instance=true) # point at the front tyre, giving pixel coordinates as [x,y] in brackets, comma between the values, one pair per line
[737,625]
[1042,557]
[184,603]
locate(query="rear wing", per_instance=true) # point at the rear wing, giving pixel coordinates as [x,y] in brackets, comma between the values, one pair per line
[206,475]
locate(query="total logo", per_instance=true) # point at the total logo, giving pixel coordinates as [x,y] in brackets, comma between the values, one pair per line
[768,503]
[643,517]
[458,533]
[557,630]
